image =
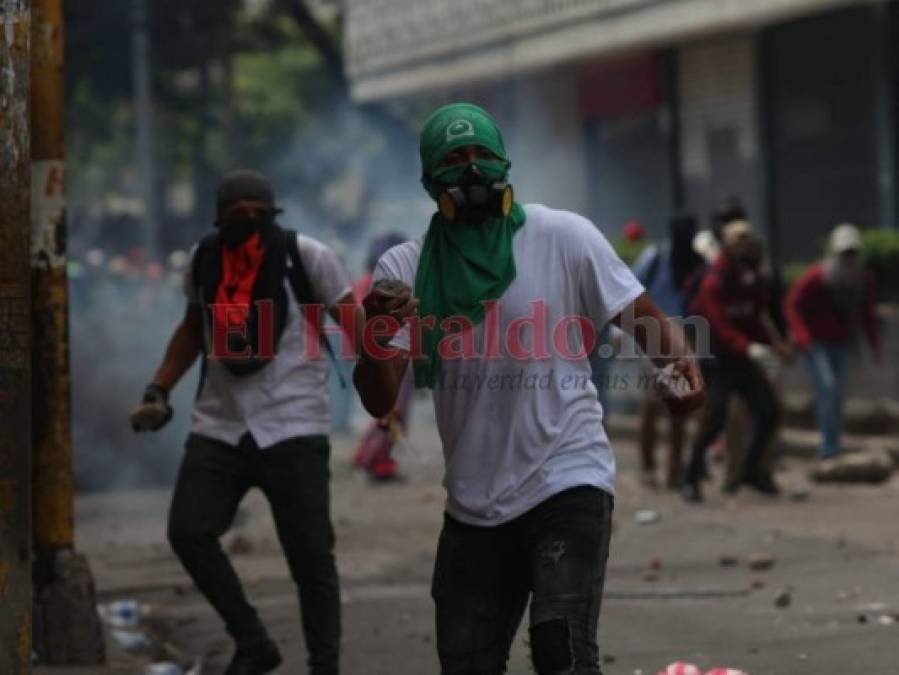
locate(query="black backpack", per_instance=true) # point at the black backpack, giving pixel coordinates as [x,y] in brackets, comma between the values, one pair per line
[282,259]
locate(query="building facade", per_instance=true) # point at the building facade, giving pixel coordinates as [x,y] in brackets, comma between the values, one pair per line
[635,109]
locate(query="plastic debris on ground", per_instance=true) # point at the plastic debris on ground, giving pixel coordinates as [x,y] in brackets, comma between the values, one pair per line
[129,639]
[164,668]
[681,668]
[647,517]
[122,613]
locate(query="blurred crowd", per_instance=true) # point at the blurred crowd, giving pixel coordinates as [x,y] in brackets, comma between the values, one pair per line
[754,325]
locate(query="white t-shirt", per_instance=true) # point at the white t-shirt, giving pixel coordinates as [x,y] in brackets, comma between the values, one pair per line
[289,396]
[517,431]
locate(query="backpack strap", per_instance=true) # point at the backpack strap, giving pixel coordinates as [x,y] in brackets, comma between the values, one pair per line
[207,249]
[301,285]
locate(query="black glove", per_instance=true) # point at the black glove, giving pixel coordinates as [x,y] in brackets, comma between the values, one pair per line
[154,410]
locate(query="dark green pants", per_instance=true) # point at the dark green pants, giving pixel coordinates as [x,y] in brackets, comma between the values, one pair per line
[294,477]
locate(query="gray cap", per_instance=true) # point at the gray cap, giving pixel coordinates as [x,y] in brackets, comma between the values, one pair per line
[244,184]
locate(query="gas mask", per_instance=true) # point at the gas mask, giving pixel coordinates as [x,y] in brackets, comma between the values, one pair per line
[475,192]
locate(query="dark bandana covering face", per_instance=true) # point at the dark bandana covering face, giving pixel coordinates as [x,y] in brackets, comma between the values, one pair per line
[463,264]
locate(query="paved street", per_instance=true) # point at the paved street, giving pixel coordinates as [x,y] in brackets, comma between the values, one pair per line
[835,552]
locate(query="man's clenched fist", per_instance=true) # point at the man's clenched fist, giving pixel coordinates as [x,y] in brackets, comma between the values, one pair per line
[154,410]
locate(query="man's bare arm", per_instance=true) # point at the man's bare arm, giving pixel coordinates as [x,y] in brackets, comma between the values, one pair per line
[664,342]
[183,349]
[378,381]
[378,376]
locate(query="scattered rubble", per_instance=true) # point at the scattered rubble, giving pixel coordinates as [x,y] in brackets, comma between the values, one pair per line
[867,467]
[756,582]
[130,640]
[647,517]
[799,495]
[121,613]
[650,576]
[759,562]
[783,599]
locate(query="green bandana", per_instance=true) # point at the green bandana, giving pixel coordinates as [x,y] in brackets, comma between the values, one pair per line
[461,265]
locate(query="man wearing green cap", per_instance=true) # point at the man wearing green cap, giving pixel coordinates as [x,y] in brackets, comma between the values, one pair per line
[529,469]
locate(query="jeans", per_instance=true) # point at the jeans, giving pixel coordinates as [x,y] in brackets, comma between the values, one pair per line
[483,576]
[826,367]
[744,378]
[294,477]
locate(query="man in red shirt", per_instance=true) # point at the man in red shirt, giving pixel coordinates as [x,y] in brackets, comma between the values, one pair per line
[826,309]
[734,296]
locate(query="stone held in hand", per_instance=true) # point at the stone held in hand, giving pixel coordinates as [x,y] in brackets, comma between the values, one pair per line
[670,383]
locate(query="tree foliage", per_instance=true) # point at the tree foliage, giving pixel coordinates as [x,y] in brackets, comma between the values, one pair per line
[232,85]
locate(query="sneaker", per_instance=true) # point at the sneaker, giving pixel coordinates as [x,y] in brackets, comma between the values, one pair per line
[692,490]
[763,482]
[731,487]
[257,660]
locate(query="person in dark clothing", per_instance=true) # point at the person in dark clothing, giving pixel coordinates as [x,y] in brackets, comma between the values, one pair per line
[260,417]
[733,297]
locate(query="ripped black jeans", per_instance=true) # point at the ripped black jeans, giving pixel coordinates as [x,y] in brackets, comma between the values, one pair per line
[555,554]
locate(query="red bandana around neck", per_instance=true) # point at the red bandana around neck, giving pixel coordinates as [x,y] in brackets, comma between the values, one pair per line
[240,266]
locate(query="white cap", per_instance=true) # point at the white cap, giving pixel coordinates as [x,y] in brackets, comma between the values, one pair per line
[845,237]
[705,244]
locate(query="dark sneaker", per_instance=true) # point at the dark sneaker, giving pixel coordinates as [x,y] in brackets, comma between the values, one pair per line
[731,487]
[693,490]
[255,660]
[763,483]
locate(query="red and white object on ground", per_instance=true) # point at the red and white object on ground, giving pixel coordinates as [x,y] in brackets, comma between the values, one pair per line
[680,668]
[725,671]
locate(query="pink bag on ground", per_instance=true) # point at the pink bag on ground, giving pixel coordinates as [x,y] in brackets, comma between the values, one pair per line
[679,668]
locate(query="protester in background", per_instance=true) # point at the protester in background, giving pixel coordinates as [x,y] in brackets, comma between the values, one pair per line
[374,452]
[529,469]
[260,417]
[733,296]
[663,270]
[827,307]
